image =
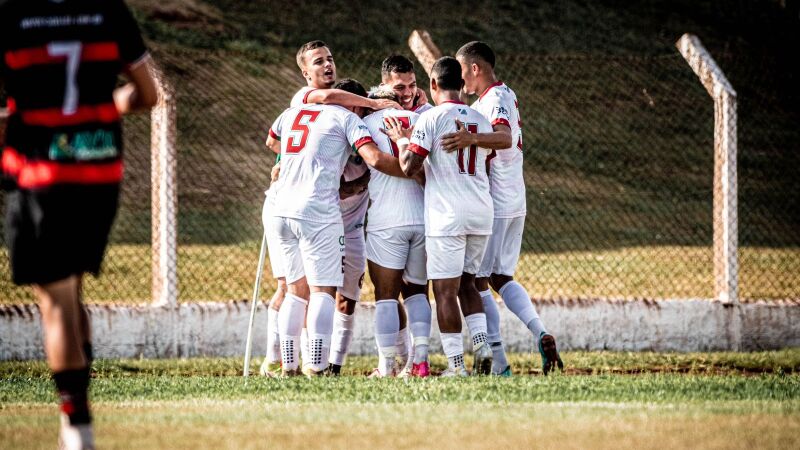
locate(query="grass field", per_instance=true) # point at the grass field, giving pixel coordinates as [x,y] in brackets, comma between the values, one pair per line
[227,272]
[605,400]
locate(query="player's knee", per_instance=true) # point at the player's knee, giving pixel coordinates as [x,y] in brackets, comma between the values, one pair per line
[482,283]
[345,305]
[498,281]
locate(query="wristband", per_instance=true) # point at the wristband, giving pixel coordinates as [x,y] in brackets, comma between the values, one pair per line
[402,141]
[278,158]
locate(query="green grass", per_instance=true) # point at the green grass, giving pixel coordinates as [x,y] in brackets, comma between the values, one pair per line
[706,400]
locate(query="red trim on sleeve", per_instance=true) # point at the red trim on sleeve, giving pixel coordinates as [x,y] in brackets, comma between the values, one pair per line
[305,97]
[501,121]
[96,51]
[493,85]
[54,117]
[421,151]
[273,135]
[363,141]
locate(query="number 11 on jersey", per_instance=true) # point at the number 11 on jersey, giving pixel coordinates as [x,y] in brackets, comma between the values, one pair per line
[468,166]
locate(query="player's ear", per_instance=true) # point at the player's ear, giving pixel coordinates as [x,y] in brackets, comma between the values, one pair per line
[433,85]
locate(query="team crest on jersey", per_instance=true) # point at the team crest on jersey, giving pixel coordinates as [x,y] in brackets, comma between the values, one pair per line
[363,127]
[463,112]
[419,135]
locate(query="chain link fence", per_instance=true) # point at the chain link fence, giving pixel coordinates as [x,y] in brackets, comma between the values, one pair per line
[619,163]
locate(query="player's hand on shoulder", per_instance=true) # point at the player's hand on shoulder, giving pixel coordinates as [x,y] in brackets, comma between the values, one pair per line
[383,103]
[462,138]
[394,129]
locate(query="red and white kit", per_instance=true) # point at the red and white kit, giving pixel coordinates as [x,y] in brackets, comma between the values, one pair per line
[458,205]
[499,105]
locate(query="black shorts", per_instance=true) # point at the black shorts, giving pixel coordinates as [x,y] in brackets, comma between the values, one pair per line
[55,233]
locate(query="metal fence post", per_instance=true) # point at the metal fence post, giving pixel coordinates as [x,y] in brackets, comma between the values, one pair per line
[164,196]
[726,261]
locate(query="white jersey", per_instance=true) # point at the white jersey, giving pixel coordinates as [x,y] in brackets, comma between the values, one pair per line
[457,198]
[301,97]
[396,202]
[422,108]
[499,105]
[316,141]
[354,208]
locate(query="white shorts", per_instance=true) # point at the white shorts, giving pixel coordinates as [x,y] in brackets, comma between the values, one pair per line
[310,249]
[450,256]
[400,248]
[355,262]
[273,244]
[502,253]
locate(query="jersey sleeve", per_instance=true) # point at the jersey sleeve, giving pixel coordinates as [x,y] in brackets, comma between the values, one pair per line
[499,113]
[301,97]
[356,131]
[422,136]
[131,46]
[275,129]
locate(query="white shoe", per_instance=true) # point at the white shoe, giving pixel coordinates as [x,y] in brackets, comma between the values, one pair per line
[75,437]
[270,370]
[483,360]
[457,372]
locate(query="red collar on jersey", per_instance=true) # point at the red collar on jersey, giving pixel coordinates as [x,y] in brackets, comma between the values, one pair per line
[457,102]
[495,84]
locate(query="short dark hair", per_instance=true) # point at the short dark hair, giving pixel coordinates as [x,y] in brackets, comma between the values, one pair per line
[352,86]
[306,47]
[397,64]
[477,50]
[447,73]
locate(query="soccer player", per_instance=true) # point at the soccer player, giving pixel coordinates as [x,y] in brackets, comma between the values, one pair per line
[458,212]
[318,140]
[396,256]
[396,235]
[498,103]
[63,159]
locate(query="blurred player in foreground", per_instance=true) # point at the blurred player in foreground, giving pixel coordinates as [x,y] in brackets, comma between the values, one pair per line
[63,158]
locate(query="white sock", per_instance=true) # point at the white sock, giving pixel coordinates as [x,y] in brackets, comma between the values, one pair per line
[320,328]
[273,337]
[403,345]
[304,350]
[453,346]
[290,324]
[387,329]
[342,336]
[419,318]
[518,301]
[499,360]
[476,323]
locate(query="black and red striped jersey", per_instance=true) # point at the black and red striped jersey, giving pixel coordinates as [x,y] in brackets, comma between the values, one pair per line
[60,61]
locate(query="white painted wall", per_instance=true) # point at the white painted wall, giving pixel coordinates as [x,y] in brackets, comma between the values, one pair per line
[219,329]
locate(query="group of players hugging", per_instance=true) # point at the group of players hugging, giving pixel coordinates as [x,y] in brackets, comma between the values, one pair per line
[444,192]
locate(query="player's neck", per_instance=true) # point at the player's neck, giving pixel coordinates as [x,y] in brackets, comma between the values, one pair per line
[485,83]
[448,96]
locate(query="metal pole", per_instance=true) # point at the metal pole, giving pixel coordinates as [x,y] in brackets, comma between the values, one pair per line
[256,291]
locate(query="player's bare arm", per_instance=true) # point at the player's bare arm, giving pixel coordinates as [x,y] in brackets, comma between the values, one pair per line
[410,162]
[383,162]
[347,99]
[274,144]
[350,188]
[499,139]
[141,92]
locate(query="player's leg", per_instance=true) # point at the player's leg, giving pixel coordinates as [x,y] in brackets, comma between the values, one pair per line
[500,364]
[516,297]
[85,326]
[415,300]
[291,316]
[385,261]
[472,305]
[272,360]
[444,266]
[323,247]
[346,298]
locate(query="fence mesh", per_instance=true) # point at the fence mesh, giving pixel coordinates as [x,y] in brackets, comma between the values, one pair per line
[619,162]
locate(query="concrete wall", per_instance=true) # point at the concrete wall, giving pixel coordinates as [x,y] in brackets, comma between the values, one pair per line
[219,329]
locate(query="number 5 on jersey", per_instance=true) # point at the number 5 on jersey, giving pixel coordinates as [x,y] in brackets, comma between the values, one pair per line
[298,134]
